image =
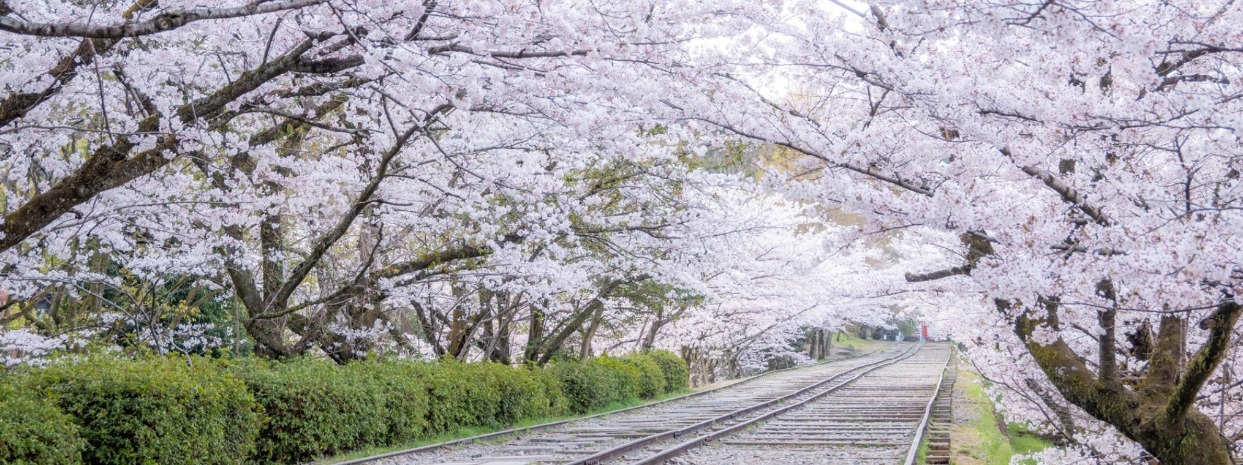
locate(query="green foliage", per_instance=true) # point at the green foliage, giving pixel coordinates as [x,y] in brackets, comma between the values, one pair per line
[558,400]
[625,380]
[523,394]
[104,409]
[313,408]
[677,374]
[597,382]
[153,410]
[406,401]
[34,431]
[587,386]
[1024,441]
[487,394]
[651,377]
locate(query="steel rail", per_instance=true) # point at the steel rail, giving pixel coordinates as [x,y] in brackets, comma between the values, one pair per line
[547,426]
[610,454]
[681,448]
[913,453]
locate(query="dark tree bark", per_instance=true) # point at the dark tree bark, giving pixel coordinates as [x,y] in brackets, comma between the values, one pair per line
[1160,414]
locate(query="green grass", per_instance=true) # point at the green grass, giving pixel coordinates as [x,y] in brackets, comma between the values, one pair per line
[467,432]
[981,441]
[1023,441]
[922,455]
[858,344]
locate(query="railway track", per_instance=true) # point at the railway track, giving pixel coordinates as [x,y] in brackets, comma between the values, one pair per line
[744,418]
[877,419]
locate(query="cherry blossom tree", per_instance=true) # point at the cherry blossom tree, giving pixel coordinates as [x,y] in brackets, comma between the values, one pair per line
[317,153]
[355,176]
[1084,154]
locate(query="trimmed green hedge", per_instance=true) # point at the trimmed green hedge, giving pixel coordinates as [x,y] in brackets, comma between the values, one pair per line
[677,374]
[651,377]
[406,404]
[194,410]
[600,381]
[587,386]
[313,408]
[34,431]
[155,410]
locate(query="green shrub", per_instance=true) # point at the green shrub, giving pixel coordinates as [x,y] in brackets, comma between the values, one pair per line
[677,375]
[587,386]
[625,379]
[153,410]
[522,394]
[163,410]
[651,378]
[486,394]
[558,401]
[405,398]
[458,398]
[33,431]
[313,408]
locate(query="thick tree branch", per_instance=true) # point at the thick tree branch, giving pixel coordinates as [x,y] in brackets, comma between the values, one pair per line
[939,274]
[278,301]
[1068,194]
[520,54]
[109,166]
[165,21]
[550,346]
[432,259]
[1204,362]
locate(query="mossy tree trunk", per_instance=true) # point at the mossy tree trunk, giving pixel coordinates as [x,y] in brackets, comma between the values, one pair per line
[1159,412]
[1156,409]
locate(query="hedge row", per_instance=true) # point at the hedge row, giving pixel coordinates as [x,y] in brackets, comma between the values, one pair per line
[106,410]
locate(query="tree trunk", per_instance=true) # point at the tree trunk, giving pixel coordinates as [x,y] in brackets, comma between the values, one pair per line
[590,333]
[813,345]
[649,338]
[1160,414]
[826,344]
[535,335]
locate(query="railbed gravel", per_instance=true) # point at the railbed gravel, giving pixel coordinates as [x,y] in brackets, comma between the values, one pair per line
[578,439]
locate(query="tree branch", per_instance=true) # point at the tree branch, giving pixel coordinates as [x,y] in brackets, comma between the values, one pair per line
[16,105]
[1204,362]
[109,166]
[1069,195]
[166,21]
[325,241]
[935,275]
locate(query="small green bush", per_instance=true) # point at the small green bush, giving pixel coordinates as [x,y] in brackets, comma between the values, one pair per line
[33,431]
[486,394]
[651,378]
[313,408]
[558,401]
[458,397]
[522,394]
[587,386]
[625,379]
[153,410]
[677,375]
[405,397]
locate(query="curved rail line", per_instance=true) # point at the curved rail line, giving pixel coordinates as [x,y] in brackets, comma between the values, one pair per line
[809,393]
[877,421]
[516,432]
